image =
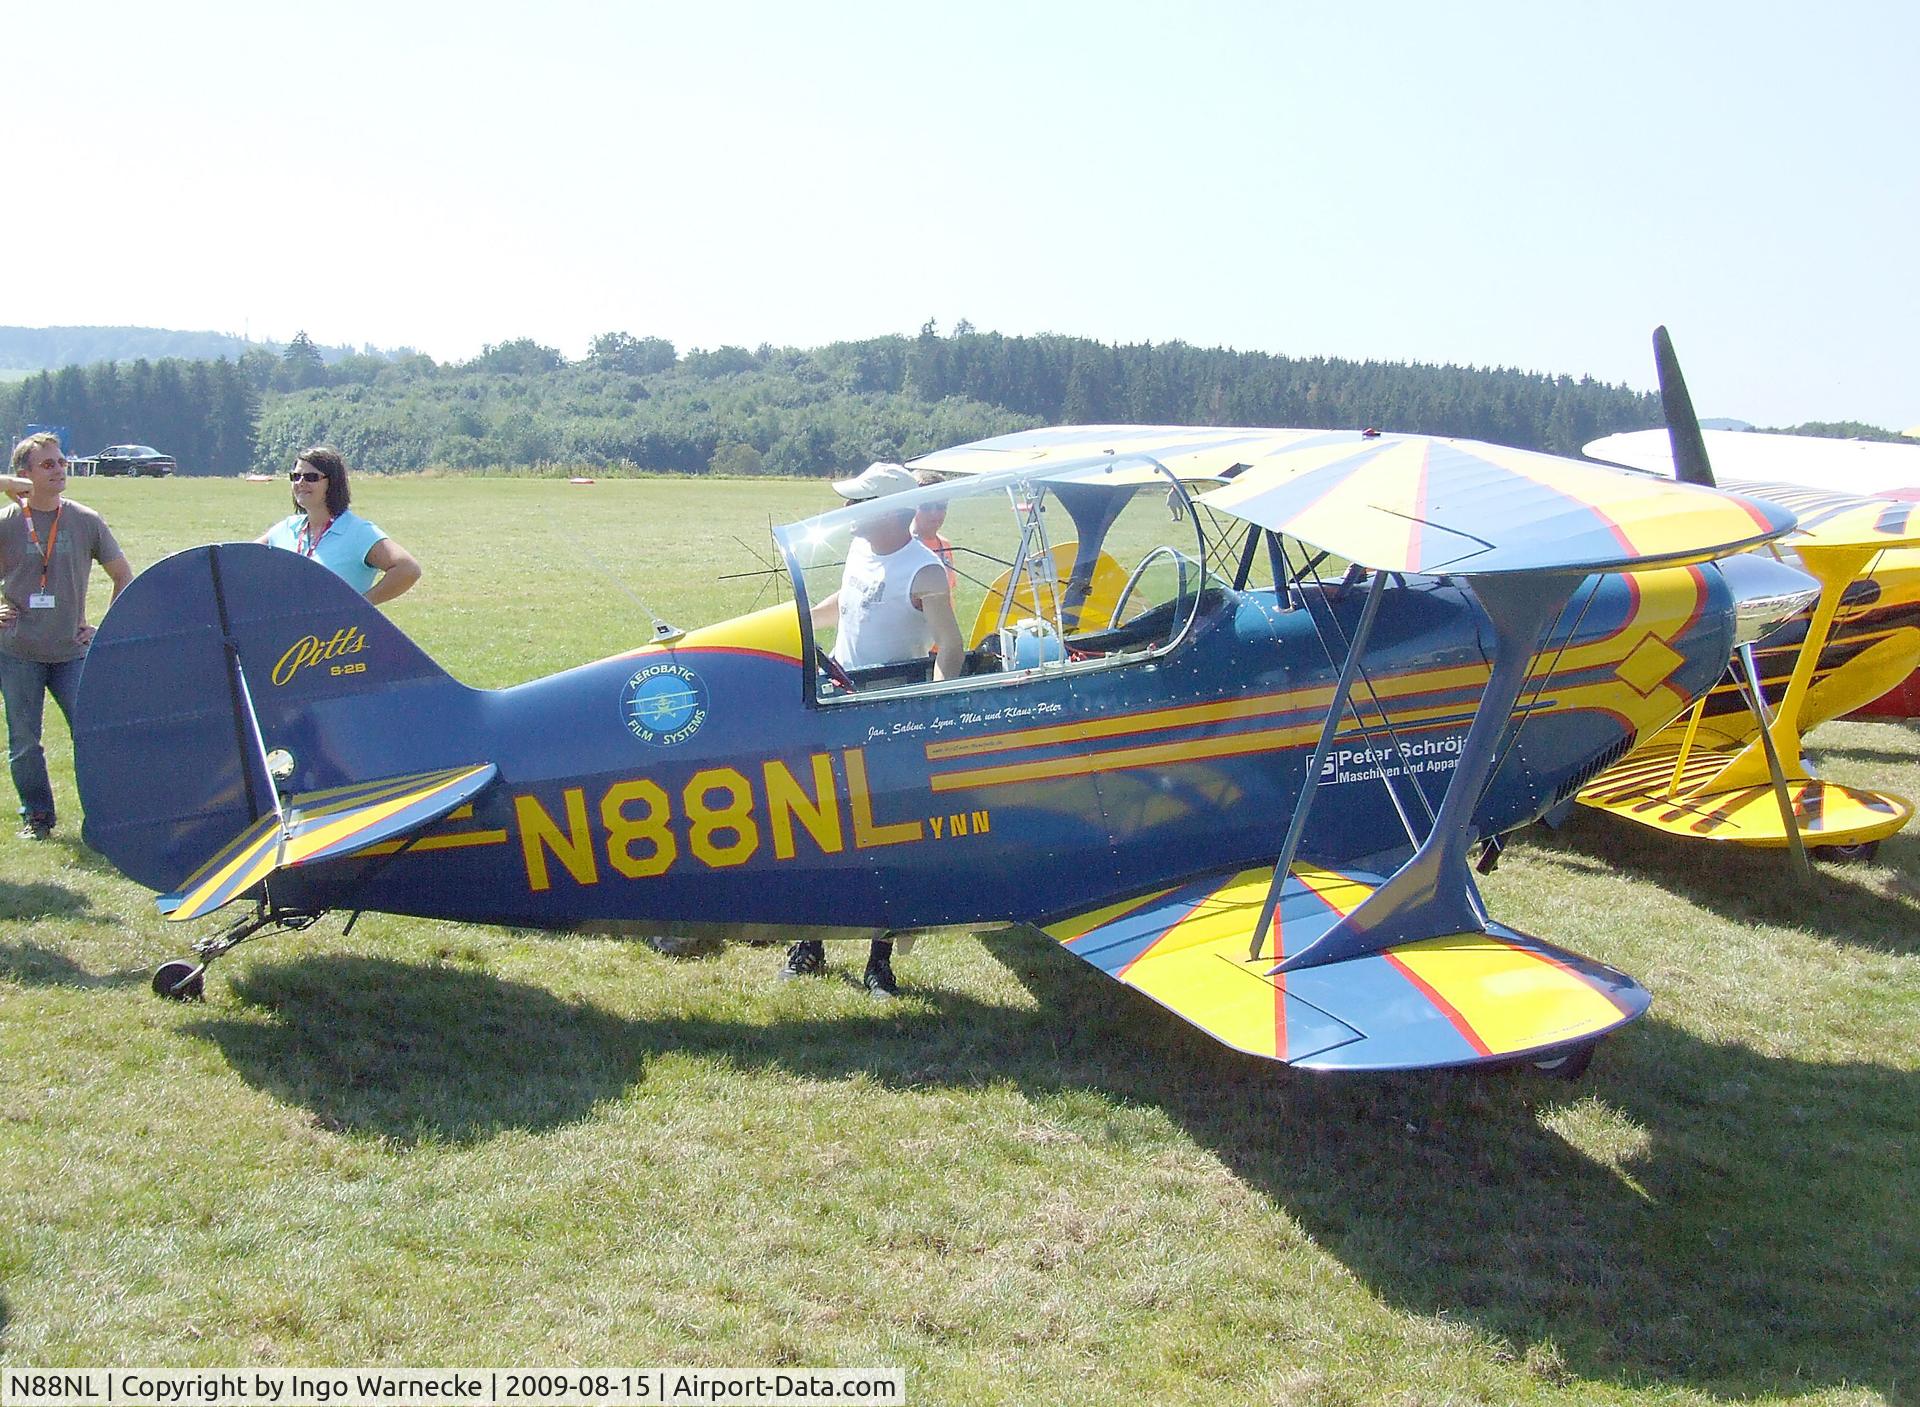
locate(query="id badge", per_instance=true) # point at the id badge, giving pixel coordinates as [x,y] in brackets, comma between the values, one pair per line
[40,601]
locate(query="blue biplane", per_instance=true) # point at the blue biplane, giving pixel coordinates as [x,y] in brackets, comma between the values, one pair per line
[1236,705]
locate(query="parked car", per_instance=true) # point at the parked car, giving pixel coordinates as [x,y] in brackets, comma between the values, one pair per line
[141,461]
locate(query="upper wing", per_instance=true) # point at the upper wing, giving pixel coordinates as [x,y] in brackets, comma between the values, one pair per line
[1189,452]
[1841,520]
[1417,504]
[1850,466]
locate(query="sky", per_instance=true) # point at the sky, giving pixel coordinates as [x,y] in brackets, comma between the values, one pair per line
[1525,185]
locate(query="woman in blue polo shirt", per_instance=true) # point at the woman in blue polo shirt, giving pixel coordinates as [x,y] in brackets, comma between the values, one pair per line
[341,541]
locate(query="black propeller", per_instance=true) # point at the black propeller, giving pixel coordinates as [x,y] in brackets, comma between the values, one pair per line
[1690,464]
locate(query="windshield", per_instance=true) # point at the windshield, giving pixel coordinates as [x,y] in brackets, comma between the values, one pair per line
[1026,572]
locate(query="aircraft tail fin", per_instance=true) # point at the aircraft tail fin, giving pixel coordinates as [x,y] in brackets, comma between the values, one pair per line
[219,655]
[1448,1000]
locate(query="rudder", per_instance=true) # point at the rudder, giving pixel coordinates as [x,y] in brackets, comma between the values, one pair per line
[164,758]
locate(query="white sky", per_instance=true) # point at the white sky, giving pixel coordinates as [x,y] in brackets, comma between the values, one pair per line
[1527,184]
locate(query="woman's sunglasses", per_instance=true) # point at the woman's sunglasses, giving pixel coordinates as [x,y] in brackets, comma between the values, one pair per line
[306,476]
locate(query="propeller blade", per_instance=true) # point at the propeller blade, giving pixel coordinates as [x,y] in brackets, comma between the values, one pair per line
[1690,464]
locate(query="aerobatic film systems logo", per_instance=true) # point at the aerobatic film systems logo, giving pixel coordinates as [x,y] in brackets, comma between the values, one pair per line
[664,704]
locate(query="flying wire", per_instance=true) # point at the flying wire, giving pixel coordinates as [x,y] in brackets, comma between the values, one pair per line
[663,632]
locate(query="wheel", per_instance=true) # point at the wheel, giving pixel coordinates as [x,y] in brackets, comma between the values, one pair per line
[180,981]
[1859,854]
[1570,1064]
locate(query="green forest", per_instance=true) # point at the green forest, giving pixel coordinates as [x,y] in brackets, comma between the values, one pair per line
[638,404]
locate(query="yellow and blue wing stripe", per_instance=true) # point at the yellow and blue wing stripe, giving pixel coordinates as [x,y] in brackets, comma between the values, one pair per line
[1453,999]
[1643,789]
[324,825]
[1830,519]
[1417,504]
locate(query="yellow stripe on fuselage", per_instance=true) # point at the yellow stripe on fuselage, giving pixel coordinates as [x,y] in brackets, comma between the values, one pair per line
[773,630]
[1657,590]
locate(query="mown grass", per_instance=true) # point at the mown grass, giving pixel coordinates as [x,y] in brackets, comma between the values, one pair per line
[435,1144]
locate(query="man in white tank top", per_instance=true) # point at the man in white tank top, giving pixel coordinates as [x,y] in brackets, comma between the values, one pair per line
[895,602]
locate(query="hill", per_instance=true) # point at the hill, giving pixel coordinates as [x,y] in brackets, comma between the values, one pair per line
[637,403]
[50,348]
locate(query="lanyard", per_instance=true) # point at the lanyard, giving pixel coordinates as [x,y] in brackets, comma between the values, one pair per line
[53,536]
[307,545]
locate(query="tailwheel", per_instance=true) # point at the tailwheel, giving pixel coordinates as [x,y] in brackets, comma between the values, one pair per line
[1570,1063]
[180,980]
[1859,854]
[184,979]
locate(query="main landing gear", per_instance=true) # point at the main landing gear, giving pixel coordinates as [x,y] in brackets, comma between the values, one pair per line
[184,979]
[1570,1064]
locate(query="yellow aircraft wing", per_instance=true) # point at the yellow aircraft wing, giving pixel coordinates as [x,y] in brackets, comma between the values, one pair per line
[1413,503]
[1711,779]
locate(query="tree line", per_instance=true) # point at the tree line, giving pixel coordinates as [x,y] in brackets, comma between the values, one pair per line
[204,413]
[639,403]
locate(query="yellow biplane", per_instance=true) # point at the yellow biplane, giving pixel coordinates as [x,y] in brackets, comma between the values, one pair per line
[1733,768]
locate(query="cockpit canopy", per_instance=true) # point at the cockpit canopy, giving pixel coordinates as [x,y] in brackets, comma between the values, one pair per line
[1075,566]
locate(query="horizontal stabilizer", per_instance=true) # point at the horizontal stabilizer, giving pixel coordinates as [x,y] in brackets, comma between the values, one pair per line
[324,825]
[1455,999]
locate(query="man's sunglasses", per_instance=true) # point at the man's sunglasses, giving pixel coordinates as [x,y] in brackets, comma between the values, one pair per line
[306,476]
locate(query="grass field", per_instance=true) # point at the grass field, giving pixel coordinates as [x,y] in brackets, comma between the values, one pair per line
[429,1144]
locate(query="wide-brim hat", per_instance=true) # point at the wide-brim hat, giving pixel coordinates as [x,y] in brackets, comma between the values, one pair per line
[876,481]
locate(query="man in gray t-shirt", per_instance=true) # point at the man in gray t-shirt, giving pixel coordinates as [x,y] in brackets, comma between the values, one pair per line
[47,550]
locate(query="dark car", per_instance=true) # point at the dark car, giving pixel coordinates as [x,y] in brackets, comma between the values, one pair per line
[141,461]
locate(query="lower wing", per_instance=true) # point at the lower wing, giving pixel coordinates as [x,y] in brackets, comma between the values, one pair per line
[1454,999]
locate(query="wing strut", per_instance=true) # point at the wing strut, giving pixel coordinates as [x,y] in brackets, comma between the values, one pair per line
[1757,701]
[1310,785]
[1434,893]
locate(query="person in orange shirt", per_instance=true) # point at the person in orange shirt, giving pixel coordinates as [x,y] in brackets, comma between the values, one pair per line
[926,527]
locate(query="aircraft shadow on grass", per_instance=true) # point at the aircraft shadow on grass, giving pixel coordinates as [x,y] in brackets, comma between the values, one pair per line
[78,855]
[1724,1250]
[1746,885]
[1861,755]
[1725,1253]
[33,965]
[36,900]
